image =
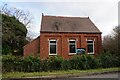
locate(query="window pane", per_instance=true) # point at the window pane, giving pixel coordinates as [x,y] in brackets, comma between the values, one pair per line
[53,49]
[72,41]
[72,49]
[89,41]
[90,48]
[52,41]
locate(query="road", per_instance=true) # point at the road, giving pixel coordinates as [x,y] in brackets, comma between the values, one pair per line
[109,75]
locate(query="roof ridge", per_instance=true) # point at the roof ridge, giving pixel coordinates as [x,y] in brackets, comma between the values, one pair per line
[66,16]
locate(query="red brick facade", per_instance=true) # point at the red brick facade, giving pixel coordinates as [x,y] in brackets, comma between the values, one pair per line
[63,46]
[32,48]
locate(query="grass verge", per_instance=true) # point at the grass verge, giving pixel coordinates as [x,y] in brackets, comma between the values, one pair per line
[57,73]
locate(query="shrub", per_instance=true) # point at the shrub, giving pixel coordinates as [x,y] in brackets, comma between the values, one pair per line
[76,62]
[107,60]
[45,65]
[80,62]
[11,63]
[55,62]
[84,61]
[15,63]
[31,64]
[92,62]
[116,61]
[5,63]
[65,65]
[6,50]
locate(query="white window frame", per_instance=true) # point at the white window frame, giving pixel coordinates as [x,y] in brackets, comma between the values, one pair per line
[93,47]
[69,46]
[49,47]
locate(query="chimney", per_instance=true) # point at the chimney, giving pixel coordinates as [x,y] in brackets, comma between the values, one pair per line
[42,14]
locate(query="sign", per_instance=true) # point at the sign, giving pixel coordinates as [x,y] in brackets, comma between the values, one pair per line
[80,50]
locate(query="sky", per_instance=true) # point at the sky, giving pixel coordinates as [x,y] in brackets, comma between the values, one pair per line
[104,14]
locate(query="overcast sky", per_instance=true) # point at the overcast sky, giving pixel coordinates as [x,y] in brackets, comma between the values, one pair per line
[104,14]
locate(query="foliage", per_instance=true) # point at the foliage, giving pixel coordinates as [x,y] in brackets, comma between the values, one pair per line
[111,42]
[45,65]
[13,35]
[12,63]
[111,48]
[78,62]
[84,61]
[55,62]
[32,64]
[22,16]
[66,65]
[107,60]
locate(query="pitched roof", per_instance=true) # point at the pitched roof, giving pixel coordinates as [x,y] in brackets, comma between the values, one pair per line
[68,24]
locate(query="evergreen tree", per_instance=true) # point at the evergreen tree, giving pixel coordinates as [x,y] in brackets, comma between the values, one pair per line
[13,35]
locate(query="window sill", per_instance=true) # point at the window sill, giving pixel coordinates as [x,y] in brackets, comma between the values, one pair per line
[90,53]
[52,54]
[72,53]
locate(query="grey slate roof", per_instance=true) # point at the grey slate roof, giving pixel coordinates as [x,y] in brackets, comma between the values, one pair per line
[68,24]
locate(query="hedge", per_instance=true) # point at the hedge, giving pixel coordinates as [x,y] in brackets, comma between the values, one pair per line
[78,62]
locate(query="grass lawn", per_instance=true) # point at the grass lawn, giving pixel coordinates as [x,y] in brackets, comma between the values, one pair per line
[56,73]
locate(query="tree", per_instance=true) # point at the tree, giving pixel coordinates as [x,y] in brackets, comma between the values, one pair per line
[15,23]
[22,16]
[111,42]
[13,35]
[117,39]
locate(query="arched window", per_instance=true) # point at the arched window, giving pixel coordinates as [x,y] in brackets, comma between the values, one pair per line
[72,46]
[90,46]
[52,47]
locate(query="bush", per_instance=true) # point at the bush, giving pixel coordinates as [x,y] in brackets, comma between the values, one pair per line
[66,65]
[116,61]
[78,62]
[45,65]
[15,63]
[11,63]
[107,60]
[31,64]
[84,61]
[92,62]
[55,62]
[6,50]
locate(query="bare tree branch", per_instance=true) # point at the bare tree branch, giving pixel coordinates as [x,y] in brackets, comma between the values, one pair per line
[20,15]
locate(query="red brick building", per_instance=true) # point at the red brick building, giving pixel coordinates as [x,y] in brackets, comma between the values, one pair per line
[65,36]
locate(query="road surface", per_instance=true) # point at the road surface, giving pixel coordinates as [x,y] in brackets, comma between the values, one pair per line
[108,76]
[111,76]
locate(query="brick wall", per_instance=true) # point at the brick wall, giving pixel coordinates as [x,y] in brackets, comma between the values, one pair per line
[62,43]
[32,48]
